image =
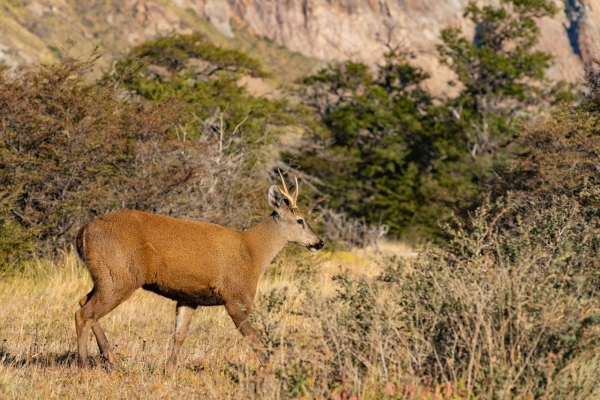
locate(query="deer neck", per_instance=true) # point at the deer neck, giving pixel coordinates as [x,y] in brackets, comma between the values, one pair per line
[264,242]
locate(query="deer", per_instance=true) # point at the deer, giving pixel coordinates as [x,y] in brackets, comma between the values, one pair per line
[194,263]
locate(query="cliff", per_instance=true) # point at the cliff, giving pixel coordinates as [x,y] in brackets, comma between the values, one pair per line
[319,30]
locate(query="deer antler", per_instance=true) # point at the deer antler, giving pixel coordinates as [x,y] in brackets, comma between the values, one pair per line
[291,198]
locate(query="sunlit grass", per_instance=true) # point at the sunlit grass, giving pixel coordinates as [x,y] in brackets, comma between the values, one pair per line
[38,341]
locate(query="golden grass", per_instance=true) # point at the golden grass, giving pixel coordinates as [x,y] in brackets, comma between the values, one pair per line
[38,341]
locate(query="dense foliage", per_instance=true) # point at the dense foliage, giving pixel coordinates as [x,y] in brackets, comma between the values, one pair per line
[396,155]
[206,79]
[382,140]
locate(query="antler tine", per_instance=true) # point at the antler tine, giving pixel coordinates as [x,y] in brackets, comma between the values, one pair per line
[282,181]
[296,190]
[291,198]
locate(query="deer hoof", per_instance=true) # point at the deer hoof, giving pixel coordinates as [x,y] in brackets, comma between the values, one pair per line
[82,365]
[169,369]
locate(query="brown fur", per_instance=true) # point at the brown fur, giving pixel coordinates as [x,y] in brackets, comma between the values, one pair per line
[194,263]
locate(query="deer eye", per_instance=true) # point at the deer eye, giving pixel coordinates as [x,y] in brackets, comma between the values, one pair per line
[300,221]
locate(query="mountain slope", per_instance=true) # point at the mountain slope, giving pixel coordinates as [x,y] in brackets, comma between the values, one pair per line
[290,37]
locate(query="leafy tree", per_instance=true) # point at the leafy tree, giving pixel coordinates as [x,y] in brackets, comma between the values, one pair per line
[206,79]
[174,53]
[501,72]
[396,155]
[380,138]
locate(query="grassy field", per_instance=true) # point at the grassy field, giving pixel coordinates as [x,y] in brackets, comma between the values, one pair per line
[38,341]
[490,314]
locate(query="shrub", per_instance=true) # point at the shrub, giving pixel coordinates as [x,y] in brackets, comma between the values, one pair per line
[16,241]
[205,79]
[510,303]
[560,154]
[508,307]
[71,150]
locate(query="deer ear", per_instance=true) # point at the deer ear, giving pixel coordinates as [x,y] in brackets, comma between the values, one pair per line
[275,197]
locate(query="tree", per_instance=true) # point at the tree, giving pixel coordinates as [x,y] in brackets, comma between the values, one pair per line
[380,138]
[501,72]
[394,154]
[205,78]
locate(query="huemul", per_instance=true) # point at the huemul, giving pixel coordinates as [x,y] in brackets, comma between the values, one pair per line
[194,263]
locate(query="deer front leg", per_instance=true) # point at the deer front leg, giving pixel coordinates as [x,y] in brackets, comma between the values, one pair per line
[183,313]
[242,322]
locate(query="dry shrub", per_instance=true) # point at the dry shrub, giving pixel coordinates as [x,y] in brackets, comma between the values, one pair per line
[510,305]
[351,232]
[71,150]
[508,308]
[559,154]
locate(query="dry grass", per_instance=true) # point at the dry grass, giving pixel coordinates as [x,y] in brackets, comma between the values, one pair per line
[38,342]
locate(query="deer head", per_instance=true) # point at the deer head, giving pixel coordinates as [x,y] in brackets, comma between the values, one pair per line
[293,227]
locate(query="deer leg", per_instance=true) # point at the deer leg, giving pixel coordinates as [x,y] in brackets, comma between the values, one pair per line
[83,322]
[183,316]
[103,345]
[87,317]
[98,332]
[242,322]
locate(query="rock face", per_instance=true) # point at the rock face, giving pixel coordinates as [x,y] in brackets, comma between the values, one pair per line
[585,28]
[327,30]
[334,30]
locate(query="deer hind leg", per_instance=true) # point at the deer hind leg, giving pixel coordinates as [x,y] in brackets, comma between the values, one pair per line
[96,305]
[183,316]
[99,333]
[83,323]
[242,322]
[103,345]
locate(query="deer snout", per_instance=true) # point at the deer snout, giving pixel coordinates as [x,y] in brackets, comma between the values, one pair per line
[316,247]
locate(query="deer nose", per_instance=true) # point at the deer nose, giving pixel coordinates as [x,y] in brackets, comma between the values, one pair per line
[319,245]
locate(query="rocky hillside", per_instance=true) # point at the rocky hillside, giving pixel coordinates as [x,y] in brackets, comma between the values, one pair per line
[312,31]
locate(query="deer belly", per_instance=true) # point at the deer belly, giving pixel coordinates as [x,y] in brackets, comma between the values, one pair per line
[199,297]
